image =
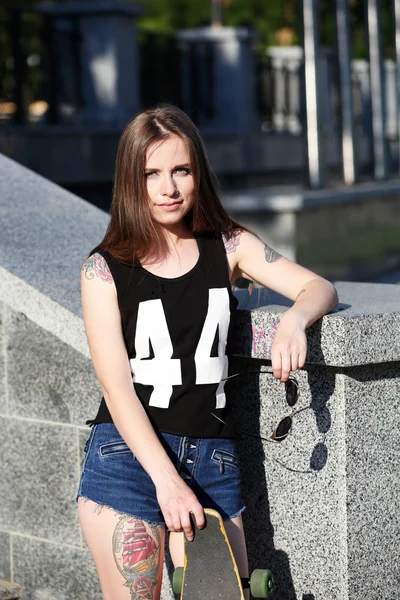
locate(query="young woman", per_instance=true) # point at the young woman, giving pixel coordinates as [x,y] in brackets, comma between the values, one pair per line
[157,307]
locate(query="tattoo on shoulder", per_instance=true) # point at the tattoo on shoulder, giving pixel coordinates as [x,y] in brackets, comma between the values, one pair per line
[270,254]
[231,240]
[96,266]
[136,550]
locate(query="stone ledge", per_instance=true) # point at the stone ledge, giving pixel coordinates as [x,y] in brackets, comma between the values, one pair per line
[10,591]
[363,329]
[47,233]
[295,198]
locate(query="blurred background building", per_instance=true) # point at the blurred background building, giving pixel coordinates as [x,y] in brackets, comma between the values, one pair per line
[297,103]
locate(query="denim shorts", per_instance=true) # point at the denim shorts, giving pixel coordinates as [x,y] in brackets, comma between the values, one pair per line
[113,477]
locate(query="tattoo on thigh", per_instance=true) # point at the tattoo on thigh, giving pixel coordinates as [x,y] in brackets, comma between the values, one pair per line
[136,550]
[270,254]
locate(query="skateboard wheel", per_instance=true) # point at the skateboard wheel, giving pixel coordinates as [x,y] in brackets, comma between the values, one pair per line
[177,580]
[261,583]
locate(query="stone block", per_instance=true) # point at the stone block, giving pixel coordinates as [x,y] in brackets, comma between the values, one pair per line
[5,572]
[293,490]
[49,571]
[39,475]
[364,329]
[47,379]
[373,479]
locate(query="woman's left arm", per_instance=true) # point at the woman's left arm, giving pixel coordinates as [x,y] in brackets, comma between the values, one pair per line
[313,296]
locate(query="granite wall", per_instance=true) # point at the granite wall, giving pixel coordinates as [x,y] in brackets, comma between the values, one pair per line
[322,506]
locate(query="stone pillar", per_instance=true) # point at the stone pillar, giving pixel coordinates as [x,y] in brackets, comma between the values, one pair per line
[323,505]
[219,79]
[108,61]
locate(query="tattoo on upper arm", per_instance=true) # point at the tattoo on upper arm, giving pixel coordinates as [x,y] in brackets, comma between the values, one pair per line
[270,254]
[136,549]
[96,266]
[231,240]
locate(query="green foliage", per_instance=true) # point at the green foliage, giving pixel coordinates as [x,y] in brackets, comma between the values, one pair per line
[263,16]
[267,17]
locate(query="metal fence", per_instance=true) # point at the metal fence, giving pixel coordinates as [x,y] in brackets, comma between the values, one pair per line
[160,79]
[32,47]
[281,100]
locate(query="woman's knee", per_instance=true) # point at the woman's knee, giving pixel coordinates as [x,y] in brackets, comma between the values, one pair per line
[128,552]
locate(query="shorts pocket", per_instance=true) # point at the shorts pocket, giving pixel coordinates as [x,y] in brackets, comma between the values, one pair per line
[224,459]
[114,448]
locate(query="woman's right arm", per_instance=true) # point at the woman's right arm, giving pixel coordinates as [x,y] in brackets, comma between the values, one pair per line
[111,364]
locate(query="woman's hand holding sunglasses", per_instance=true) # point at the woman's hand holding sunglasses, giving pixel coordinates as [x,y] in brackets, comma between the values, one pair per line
[289,348]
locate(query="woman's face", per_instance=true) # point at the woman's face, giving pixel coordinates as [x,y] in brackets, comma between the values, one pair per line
[169,180]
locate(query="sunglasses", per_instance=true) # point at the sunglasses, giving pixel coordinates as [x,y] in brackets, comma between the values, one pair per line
[284,427]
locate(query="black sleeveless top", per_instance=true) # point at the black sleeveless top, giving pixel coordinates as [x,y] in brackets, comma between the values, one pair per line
[177,335]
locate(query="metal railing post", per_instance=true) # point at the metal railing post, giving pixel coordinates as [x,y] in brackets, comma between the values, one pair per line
[19,65]
[350,174]
[396,11]
[377,90]
[312,91]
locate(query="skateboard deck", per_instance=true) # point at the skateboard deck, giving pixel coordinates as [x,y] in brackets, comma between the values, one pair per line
[210,571]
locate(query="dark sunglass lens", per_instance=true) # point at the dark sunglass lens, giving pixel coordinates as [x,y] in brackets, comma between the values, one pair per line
[283,429]
[292,392]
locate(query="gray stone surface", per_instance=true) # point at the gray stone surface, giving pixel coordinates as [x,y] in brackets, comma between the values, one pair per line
[5,571]
[373,480]
[40,309]
[364,329]
[49,571]
[39,477]
[47,379]
[3,359]
[49,233]
[294,490]
[323,505]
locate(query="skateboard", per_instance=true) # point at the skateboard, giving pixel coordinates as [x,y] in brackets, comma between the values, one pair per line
[210,571]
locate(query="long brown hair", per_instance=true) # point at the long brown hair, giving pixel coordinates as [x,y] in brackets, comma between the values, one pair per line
[132,233]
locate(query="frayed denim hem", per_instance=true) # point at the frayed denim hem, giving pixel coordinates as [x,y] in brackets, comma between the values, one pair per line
[100,505]
[238,513]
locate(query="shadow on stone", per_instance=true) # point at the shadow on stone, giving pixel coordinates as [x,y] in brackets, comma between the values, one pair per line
[257,518]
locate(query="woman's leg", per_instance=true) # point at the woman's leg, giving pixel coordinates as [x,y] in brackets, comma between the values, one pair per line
[125,550]
[234,530]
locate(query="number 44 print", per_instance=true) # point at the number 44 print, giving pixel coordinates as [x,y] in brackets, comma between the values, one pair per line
[163,371]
